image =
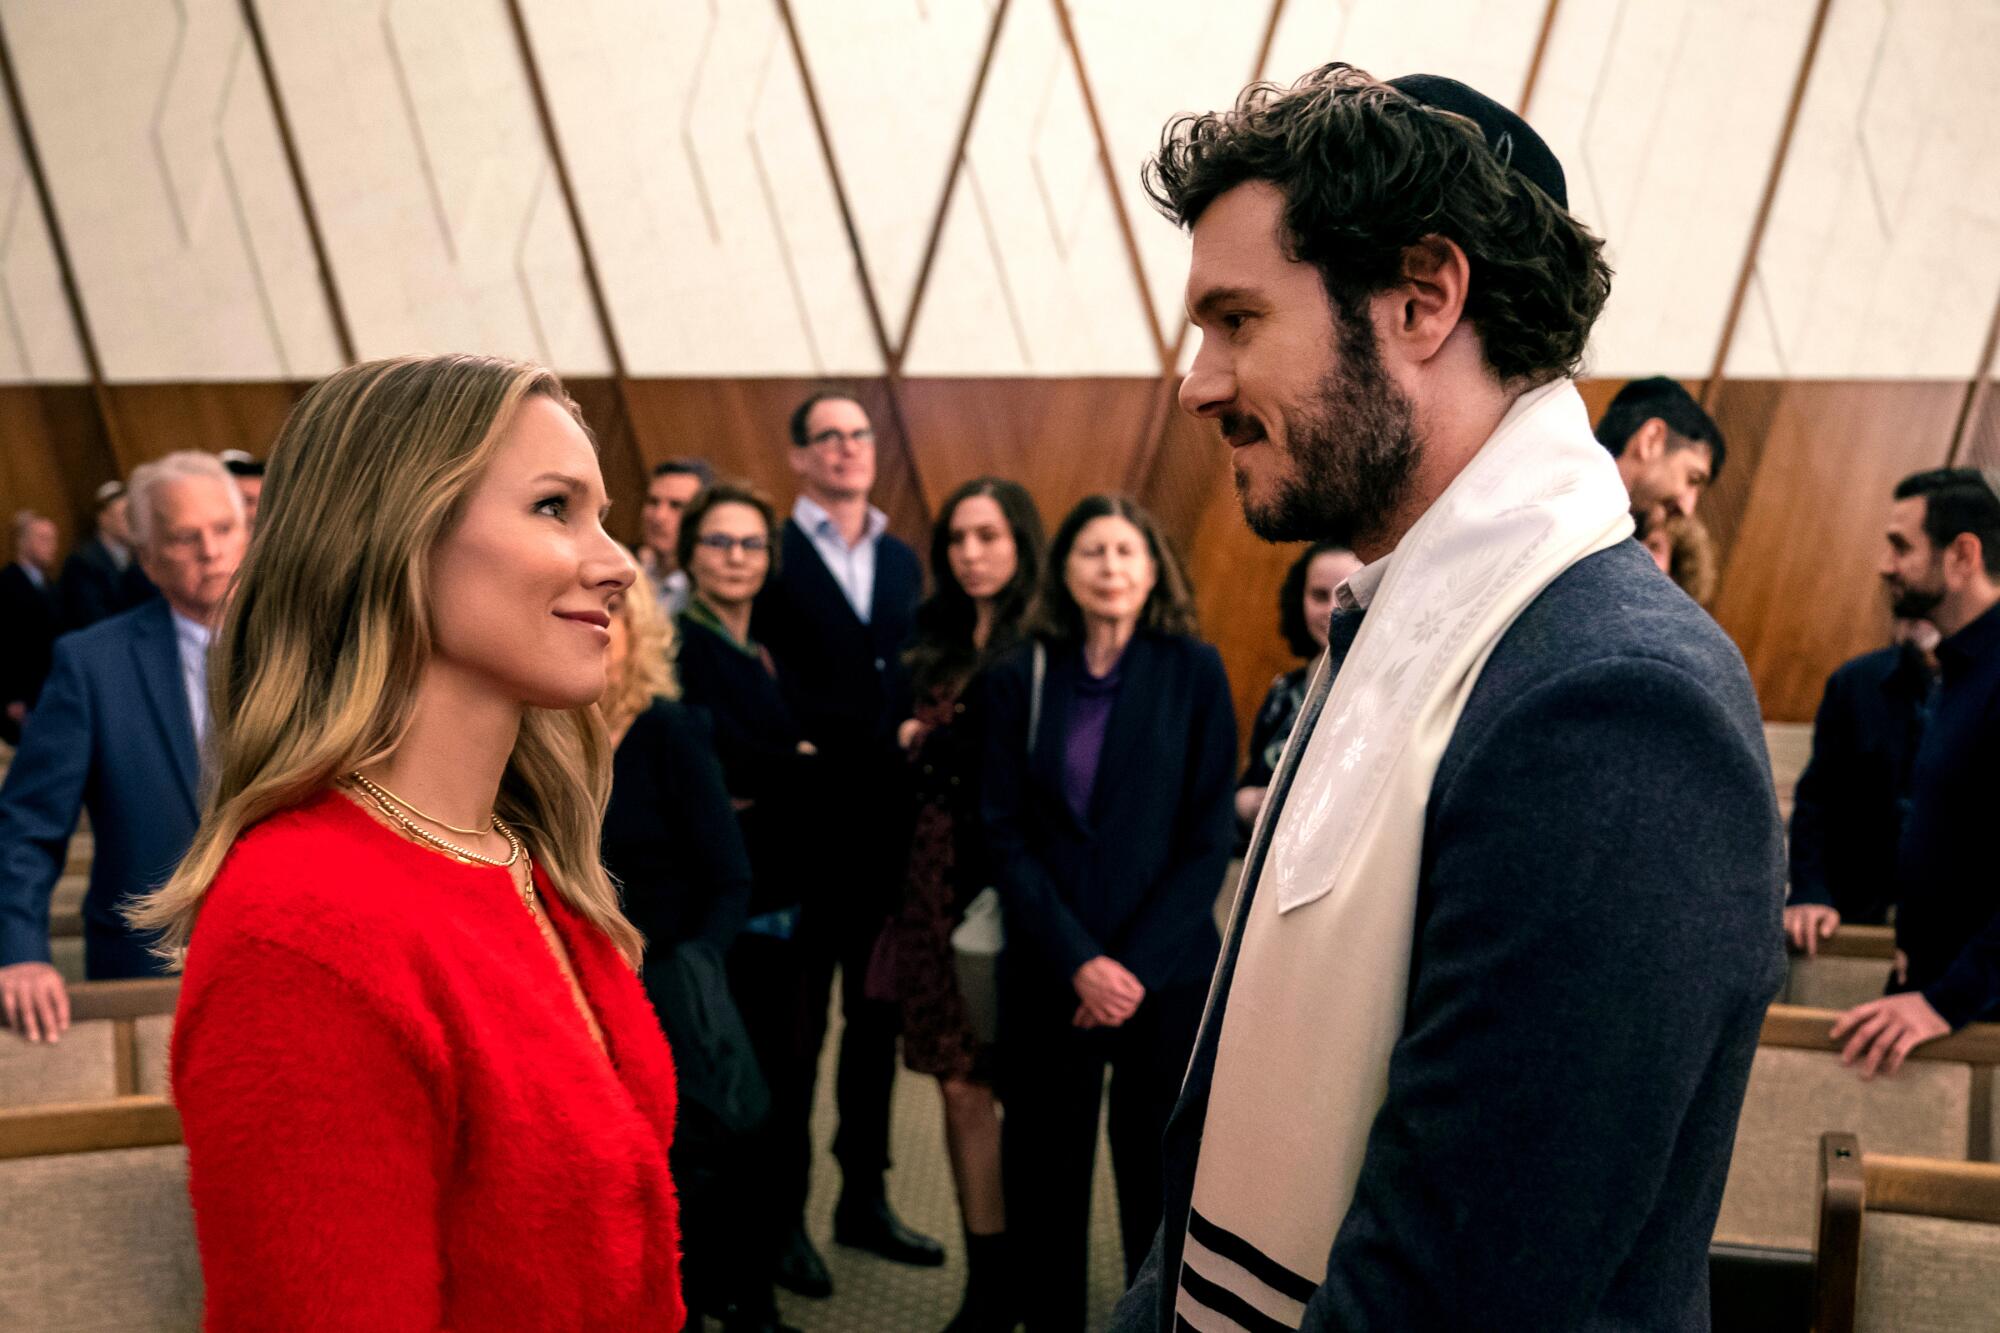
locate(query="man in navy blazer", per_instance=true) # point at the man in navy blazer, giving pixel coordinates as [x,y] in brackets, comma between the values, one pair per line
[836,617]
[118,732]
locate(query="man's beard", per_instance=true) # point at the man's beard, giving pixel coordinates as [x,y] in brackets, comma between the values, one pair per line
[1908,603]
[1352,450]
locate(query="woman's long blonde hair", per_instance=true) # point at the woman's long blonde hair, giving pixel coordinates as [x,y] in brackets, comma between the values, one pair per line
[315,671]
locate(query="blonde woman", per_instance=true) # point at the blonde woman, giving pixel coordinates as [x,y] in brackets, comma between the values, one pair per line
[672,843]
[420,1083]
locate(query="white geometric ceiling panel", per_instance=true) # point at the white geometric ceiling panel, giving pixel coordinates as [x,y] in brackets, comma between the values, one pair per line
[431,181]
[1033,277]
[38,342]
[714,223]
[1149,60]
[894,82]
[171,190]
[1666,117]
[1882,254]
[1484,43]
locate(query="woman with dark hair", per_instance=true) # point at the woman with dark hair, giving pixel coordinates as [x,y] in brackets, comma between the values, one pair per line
[1305,608]
[727,544]
[1110,744]
[986,555]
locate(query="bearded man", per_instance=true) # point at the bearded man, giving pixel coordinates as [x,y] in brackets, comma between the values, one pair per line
[1477,1042]
[1941,563]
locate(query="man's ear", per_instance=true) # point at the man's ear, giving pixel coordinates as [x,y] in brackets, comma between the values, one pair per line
[1649,442]
[796,457]
[1964,560]
[1429,296]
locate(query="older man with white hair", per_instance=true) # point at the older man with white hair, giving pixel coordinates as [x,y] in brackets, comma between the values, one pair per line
[119,729]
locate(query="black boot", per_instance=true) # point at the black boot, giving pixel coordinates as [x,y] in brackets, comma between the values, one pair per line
[801,1270]
[988,1306]
[866,1222]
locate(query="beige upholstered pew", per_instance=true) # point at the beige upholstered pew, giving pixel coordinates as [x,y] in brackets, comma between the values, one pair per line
[1940,1104]
[1906,1244]
[1790,744]
[116,1046]
[95,1228]
[1851,967]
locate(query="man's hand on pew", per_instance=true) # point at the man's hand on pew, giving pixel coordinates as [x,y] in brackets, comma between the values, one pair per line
[1806,924]
[1883,1032]
[35,1000]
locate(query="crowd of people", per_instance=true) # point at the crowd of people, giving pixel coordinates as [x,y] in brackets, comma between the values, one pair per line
[451,807]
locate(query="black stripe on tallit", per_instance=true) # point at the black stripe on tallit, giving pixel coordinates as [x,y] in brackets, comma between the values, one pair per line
[1230,1305]
[1252,1260]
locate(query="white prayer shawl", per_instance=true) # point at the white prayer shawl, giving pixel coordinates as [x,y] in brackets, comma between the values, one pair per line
[1316,1003]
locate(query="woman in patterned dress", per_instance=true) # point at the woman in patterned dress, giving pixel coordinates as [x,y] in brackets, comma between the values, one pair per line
[986,554]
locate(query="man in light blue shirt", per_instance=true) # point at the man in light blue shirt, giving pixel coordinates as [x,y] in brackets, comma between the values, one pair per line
[836,617]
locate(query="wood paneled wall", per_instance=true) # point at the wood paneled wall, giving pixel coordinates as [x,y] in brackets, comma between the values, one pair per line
[1797,513]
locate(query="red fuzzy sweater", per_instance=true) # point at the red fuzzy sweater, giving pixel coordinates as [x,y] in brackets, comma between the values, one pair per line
[396,1117]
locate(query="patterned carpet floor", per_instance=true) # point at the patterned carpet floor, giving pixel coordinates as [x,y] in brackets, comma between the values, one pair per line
[871,1295]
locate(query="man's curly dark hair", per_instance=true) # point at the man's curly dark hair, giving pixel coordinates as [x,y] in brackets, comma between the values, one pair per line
[1366,172]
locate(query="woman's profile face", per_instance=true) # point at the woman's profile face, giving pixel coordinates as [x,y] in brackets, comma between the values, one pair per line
[521,588]
[1110,570]
[732,554]
[981,547]
[1326,572]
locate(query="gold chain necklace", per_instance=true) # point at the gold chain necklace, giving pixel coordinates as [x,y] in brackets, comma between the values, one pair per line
[381,793]
[515,851]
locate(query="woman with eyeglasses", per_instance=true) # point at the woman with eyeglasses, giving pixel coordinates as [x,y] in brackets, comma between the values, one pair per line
[727,547]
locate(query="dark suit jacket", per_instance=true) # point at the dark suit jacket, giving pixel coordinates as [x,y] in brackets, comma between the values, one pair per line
[1138,879]
[757,742]
[848,690]
[844,680]
[111,735]
[670,836]
[1848,816]
[1597,935]
[28,617]
[94,588]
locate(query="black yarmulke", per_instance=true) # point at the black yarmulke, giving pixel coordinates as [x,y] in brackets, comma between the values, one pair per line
[1512,139]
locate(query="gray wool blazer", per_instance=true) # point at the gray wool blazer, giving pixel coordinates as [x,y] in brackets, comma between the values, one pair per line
[1597,937]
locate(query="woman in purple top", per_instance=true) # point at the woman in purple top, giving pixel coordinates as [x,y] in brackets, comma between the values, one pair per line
[1110,746]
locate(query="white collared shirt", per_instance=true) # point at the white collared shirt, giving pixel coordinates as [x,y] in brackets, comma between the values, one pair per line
[192,638]
[852,567]
[1359,588]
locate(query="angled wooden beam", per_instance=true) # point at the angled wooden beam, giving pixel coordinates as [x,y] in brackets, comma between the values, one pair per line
[1119,212]
[72,293]
[1711,392]
[343,332]
[839,185]
[891,361]
[951,174]
[566,184]
[592,276]
[1535,61]
[1164,400]
[1976,391]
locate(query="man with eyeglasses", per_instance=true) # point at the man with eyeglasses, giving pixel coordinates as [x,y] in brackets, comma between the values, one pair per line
[836,617]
